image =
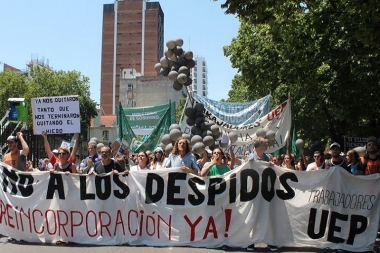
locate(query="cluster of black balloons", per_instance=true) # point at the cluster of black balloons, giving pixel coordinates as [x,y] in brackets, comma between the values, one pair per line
[176,64]
[311,148]
[203,133]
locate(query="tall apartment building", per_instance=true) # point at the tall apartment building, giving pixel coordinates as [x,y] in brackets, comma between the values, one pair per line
[199,74]
[132,38]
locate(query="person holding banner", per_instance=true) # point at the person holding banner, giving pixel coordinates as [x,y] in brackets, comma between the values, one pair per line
[106,164]
[16,158]
[91,159]
[64,165]
[261,145]
[52,158]
[317,164]
[181,156]
[158,159]
[370,162]
[216,166]
[142,162]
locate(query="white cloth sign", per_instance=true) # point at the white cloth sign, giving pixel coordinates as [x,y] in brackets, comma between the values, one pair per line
[251,204]
[56,115]
[278,120]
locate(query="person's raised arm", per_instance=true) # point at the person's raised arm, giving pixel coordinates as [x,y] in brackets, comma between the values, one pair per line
[25,147]
[205,170]
[47,146]
[75,148]
[232,158]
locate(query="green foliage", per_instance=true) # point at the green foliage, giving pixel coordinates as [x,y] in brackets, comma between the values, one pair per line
[44,82]
[179,110]
[324,53]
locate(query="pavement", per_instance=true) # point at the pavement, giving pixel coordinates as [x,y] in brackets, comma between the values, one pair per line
[15,247]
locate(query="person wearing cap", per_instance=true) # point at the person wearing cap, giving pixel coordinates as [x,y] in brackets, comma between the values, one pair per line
[158,159]
[53,155]
[371,160]
[91,159]
[336,159]
[15,157]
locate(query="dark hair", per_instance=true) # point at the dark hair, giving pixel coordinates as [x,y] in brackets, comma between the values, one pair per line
[147,158]
[354,154]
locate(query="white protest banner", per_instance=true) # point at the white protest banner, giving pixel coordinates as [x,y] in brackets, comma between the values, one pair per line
[236,113]
[56,115]
[277,120]
[253,203]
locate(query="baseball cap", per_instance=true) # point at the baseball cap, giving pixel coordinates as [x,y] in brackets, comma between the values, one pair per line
[372,139]
[12,138]
[334,144]
[158,149]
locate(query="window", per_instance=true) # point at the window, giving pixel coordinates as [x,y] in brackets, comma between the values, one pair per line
[130,86]
[106,135]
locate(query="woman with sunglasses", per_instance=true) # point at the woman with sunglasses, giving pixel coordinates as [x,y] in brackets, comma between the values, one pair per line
[216,166]
[64,165]
[142,162]
[158,159]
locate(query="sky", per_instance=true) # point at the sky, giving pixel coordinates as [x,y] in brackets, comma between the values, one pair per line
[68,36]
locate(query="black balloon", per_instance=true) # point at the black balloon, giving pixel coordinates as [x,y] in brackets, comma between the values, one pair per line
[199,107]
[199,121]
[198,115]
[190,121]
[194,130]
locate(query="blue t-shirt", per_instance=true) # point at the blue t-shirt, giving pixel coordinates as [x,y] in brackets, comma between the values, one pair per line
[188,160]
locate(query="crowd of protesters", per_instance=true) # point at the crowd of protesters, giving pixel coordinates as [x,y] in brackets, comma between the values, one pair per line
[103,159]
[107,159]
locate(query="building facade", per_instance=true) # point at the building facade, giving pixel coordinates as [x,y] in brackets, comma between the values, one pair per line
[132,38]
[142,91]
[199,74]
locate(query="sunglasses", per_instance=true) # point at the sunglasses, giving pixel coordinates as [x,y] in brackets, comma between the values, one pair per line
[62,153]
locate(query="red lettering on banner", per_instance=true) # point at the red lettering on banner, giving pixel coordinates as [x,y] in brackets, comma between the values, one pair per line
[129,221]
[119,221]
[2,212]
[102,224]
[211,228]
[28,217]
[227,213]
[48,225]
[192,226]
[167,224]
[60,224]
[95,222]
[150,218]
[34,222]
[9,217]
[72,221]
[276,112]
[141,221]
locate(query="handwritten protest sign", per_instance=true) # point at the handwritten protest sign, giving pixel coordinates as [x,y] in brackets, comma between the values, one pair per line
[56,115]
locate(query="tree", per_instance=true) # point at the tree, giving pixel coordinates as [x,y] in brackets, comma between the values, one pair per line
[44,82]
[179,110]
[325,53]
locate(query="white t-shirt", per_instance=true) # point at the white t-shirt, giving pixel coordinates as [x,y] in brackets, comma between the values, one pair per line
[137,168]
[312,166]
